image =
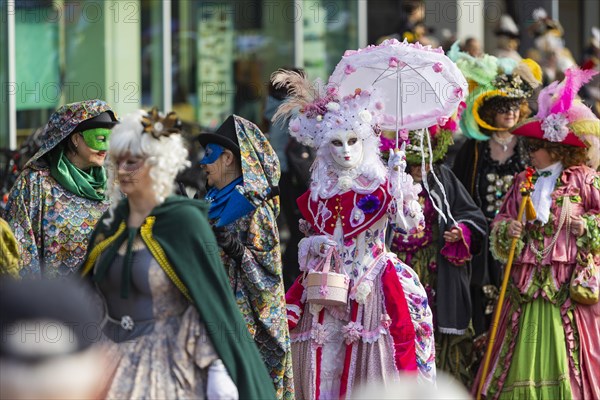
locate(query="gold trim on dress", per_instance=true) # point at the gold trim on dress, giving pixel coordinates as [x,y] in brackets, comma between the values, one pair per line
[97,250]
[159,254]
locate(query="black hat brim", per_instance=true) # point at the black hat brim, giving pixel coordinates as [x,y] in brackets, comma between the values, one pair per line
[104,120]
[206,138]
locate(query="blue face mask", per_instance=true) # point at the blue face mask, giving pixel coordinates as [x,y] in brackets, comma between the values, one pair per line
[211,153]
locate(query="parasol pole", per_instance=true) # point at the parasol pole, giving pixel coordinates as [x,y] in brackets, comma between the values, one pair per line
[398,105]
[526,189]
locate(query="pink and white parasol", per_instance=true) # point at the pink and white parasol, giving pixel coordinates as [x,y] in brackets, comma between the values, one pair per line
[418,85]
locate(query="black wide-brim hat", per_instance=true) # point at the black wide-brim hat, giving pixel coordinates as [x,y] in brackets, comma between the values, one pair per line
[225,136]
[105,119]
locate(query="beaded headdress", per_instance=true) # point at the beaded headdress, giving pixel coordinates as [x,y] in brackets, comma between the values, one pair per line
[321,111]
[493,81]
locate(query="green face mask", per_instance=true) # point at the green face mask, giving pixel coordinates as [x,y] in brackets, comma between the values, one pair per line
[97,139]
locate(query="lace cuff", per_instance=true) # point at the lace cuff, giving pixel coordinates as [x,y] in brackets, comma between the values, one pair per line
[500,242]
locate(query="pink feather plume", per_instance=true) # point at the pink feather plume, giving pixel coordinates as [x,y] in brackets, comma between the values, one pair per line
[575,78]
[545,100]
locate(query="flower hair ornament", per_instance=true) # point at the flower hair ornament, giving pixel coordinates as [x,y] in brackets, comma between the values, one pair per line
[563,119]
[158,126]
[316,111]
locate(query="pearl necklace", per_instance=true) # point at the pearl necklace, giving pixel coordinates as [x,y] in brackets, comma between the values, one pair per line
[503,142]
[565,216]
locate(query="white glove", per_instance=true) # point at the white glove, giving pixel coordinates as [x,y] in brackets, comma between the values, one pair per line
[220,386]
[321,244]
[397,160]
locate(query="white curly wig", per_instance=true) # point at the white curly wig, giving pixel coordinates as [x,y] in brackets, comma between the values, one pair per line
[166,156]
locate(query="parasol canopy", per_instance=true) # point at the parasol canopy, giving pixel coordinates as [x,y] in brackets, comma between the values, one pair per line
[418,85]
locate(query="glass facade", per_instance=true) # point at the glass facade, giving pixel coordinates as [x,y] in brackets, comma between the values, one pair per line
[330,27]
[4,81]
[206,59]
[68,51]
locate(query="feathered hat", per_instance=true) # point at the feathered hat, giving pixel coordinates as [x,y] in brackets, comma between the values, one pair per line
[543,24]
[507,27]
[320,110]
[561,118]
[499,80]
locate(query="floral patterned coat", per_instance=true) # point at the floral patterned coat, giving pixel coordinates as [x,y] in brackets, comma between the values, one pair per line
[257,280]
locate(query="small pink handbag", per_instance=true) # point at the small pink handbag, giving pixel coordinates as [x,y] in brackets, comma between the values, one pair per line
[325,287]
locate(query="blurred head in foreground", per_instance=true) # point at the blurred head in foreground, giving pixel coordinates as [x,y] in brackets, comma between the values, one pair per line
[408,387]
[48,331]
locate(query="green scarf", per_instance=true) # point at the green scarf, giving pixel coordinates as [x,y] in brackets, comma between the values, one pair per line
[89,185]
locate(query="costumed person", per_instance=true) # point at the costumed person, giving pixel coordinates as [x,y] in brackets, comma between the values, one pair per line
[549,49]
[473,47]
[591,61]
[60,195]
[455,229]
[411,26]
[507,36]
[174,328]
[549,328]
[385,326]
[491,156]
[295,160]
[242,170]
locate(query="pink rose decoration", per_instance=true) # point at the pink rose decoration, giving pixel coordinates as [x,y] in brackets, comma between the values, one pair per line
[295,125]
[403,134]
[393,62]
[352,332]
[437,67]
[386,144]
[318,334]
[458,92]
[323,290]
[332,90]
[386,321]
[451,125]
[442,121]
[349,69]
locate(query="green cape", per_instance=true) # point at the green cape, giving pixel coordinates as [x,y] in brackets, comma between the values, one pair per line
[184,234]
